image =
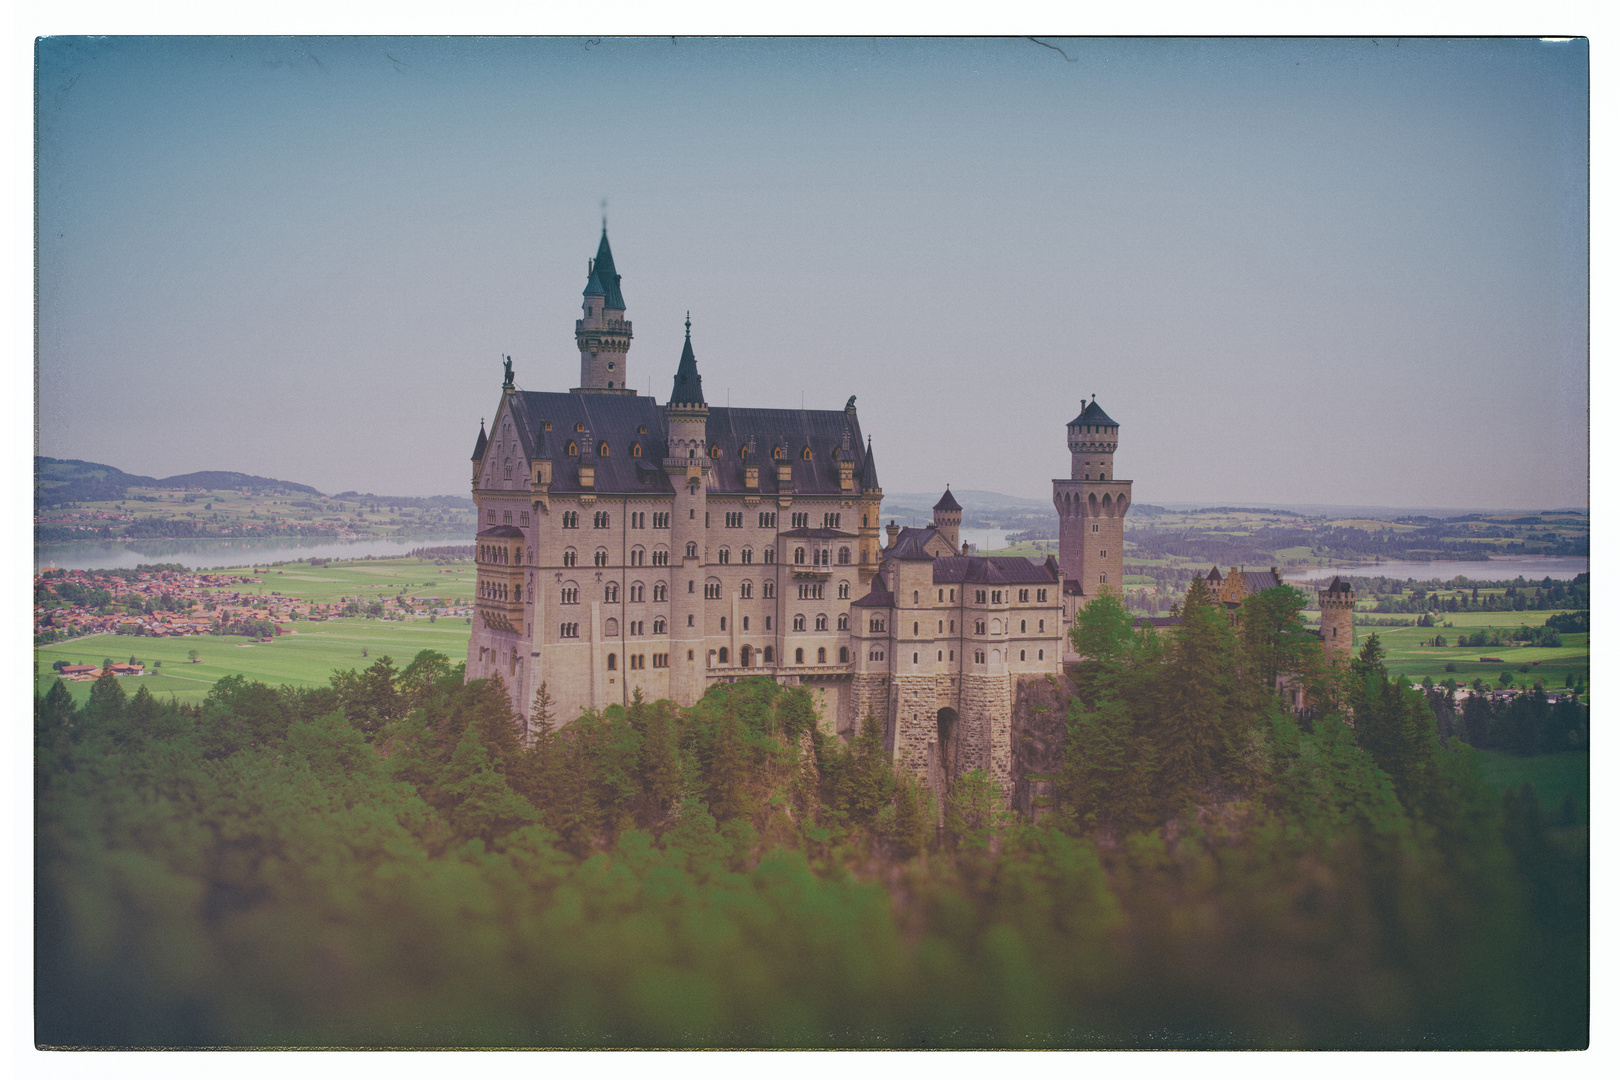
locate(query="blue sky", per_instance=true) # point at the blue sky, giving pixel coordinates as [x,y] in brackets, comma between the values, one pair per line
[1309,271]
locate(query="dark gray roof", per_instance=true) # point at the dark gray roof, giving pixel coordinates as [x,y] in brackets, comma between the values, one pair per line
[1214,575]
[1157,621]
[1259,580]
[880,596]
[616,418]
[820,534]
[501,532]
[688,388]
[604,279]
[483,441]
[829,433]
[991,570]
[1072,587]
[909,546]
[1092,414]
[867,476]
[1338,585]
[947,501]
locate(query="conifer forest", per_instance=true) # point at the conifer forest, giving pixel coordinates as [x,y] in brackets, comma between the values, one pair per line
[388,861]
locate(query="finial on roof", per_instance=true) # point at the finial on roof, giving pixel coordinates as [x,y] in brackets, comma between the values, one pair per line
[604,215]
[689,324]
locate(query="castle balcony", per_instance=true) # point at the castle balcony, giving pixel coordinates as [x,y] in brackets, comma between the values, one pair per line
[813,573]
[621,325]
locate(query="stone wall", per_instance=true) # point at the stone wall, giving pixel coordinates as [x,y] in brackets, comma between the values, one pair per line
[986,711]
[1040,717]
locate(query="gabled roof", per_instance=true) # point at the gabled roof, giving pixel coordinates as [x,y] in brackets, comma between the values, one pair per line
[1093,414]
[483,443]
[688,388]
[947,501]
[1214,575]
[604,279]
[1259,580]
[910,545]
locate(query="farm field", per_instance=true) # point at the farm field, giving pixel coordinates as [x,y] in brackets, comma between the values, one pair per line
[1406,654]
[306,657]
[454,582]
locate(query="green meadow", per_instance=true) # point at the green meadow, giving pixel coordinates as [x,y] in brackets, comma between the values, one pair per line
[454,582]
[306,657]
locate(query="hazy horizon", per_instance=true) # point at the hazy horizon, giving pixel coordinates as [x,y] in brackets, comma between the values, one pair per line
[1331,272]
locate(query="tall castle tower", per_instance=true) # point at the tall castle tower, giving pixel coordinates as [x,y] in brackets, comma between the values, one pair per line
[603,335]
[1091,508]
[1338,602]
[948,520]
[687,466]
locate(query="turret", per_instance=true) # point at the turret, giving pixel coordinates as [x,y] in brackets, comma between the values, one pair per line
[603,333]
[948,517]
[687,466]
[1093,438]
[1338,603]
[1091,506]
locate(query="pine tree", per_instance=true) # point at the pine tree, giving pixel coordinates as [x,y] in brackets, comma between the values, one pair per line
[1195,736]
[727,772]
[913,820]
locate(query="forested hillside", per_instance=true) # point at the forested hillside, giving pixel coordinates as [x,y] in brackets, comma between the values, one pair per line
[384,862]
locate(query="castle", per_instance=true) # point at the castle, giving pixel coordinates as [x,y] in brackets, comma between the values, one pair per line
[628,546]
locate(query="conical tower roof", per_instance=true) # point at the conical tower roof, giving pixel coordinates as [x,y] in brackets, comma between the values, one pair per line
[604,279]
[868,477]
[947,501]
[688,388]
[481,444]
[1093,414]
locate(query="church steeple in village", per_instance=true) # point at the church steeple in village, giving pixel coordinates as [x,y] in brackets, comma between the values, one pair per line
[603,334]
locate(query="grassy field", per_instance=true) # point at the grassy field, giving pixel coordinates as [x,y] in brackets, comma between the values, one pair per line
[381,577]
[304,658]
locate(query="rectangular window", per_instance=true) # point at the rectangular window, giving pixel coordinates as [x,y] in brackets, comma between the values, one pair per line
[524,518]
[1023,596]
[1040,596]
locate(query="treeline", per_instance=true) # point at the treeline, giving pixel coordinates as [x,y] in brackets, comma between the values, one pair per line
[444,552]
[1524,725]
[397,859]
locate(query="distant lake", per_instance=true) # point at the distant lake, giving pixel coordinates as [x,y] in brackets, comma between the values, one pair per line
[210,554]
[1505,568]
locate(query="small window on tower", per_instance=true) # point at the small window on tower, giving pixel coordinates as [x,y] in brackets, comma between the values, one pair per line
[602,450]
[579,427]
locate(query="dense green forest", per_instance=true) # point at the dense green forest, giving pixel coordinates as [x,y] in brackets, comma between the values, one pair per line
[385,862]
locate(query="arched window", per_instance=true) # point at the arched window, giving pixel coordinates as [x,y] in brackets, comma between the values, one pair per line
[821,656]
[798,622]
[570,557]
[660,592]
[843,622]
[843,590]
[635,449]
[805,454]
[714,450]
[843,556]
[691,549]
[843,655]
[770,654]
[821,622]
[776,453]
[798,656]
[573,448]
[601,557]
[602,450]
[509,468]
[798,556]
[725,556]
[613,661]
[579,427]
[747,556]
[1020,654]
[638,592]
[610,628]
[725,655]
